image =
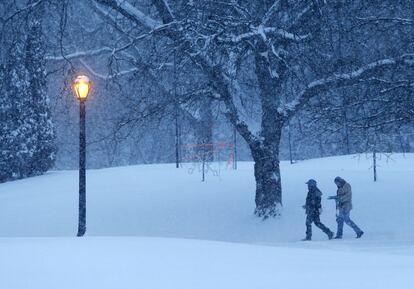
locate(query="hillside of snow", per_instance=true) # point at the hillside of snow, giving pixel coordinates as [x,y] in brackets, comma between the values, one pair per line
[154,226]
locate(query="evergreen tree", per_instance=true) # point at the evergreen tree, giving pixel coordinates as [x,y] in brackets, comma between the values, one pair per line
[44,148]
[14,131]
[27,138]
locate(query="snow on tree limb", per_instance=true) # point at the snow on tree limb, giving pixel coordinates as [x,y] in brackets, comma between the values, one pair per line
[270,12]
[233,115]
[307,12]
[376,20]
[96,52]
[28,7]
[263,31]
[341,80]
[109,76]
[164,10]
[213,73]
[131,12]
[80,54]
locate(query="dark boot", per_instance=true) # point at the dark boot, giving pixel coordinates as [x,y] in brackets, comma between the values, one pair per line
[356,229]
[344,217]
[338,237]
[321,226]
[307,239]
[359,234]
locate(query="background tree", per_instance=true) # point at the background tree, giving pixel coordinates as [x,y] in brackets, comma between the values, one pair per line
[44,146]
[27,136]
[284,41]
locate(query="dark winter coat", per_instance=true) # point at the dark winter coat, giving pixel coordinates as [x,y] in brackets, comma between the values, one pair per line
[313,201]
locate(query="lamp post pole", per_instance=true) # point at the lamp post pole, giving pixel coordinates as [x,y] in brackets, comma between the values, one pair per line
[82,170]
[81,88]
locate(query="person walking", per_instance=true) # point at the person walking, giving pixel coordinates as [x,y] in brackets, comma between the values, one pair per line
[343,200]
[313,209]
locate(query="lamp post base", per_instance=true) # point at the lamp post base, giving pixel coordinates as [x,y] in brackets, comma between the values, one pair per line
[81,232]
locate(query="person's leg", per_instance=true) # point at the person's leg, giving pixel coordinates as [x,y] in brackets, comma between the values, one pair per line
[349,222]
[321,226]
[309,221]
[340,221]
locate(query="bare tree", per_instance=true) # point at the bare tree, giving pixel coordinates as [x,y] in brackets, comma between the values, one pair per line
[265,62]
[280,40]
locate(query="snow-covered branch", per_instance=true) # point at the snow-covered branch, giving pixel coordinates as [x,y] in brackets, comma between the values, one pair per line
[376,20]
[341,80]
[164,11]
[80,54]
[131,12]
[307,12]
[270,12]
[403,84]
[232,113]
[109,76]
[264,32]
[28,7]
[95,52]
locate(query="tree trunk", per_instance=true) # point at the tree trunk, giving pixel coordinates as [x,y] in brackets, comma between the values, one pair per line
[266,152]
[205,132]
[268,184]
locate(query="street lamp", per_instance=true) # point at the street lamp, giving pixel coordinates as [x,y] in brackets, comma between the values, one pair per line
[82,87]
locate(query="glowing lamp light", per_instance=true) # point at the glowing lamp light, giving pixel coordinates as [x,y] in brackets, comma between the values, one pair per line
[81,87]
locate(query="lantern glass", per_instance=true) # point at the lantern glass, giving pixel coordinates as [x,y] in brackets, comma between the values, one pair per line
[82,86]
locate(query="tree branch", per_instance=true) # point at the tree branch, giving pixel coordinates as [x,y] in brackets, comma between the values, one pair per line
[263,31]
[376,20]
[131,12]
[30,6]
[214,74]
[270,12]
[341,80]
[164,11]
[80,54]
[109,76]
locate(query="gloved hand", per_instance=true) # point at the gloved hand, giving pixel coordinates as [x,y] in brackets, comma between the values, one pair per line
[304,206]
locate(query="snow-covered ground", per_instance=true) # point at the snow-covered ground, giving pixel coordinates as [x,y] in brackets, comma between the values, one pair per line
[155,226]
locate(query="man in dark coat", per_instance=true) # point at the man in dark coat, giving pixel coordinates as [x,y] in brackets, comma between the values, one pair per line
[343,200]
[313,210]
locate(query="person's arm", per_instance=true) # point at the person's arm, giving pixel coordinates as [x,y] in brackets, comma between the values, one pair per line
[317,202]
[307,202]
[333,198]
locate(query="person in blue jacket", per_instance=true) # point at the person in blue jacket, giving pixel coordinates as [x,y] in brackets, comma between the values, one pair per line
[313,209]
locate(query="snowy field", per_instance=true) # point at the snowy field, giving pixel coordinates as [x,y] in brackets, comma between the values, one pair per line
[154,226]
